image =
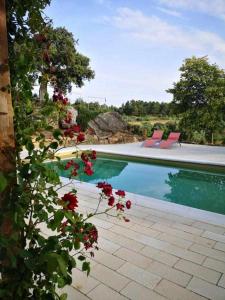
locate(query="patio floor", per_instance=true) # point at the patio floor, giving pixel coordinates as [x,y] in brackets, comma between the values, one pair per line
[187,152]
[158,255]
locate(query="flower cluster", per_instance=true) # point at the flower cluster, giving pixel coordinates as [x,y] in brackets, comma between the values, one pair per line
[90,236]
[107,192]
[58,97]
[70,201]
[75,166]
[87,163]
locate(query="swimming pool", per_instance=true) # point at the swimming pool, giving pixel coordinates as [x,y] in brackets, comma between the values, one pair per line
[201,189]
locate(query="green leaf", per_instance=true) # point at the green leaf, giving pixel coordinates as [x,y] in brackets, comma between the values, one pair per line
[58,217]
[61,282]
[53,145]
[57,133]
[62,265]
[81,257]
[69,216]
[3,182]
[63,297]
[86,267]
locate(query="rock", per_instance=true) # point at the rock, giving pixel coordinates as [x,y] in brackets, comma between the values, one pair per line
[70,119]
[107,124]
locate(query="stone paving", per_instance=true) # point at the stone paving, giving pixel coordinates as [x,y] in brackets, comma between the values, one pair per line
[158,255]
[187,152]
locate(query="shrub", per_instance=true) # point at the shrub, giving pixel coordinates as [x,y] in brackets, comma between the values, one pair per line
[199,137]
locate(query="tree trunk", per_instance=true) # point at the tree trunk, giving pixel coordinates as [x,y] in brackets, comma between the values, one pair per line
[7,142]
[212,138]
[43,90]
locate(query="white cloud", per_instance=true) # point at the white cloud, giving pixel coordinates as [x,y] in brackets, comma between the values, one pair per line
[214,8]
[154,31]
[170,12]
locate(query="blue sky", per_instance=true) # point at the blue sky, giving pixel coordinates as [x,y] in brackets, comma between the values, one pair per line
[137,46]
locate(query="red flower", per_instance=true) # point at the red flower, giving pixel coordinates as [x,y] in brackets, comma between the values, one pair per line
[76,128]
[100,185]
[68,165]
[90,237]
[88,171]
[80,137]
[65,101]
[69,132]
[93,155]
[111,201]
[120,193]
[107,190]
[120,206]
[63,226]
[71,201]
[128,204]
[84,157]
[88,164]
[74,172]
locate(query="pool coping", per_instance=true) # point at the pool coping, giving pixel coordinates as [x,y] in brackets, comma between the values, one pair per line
[65,152]
[161,205]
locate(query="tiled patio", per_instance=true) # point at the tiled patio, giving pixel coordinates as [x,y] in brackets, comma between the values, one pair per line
[160,254]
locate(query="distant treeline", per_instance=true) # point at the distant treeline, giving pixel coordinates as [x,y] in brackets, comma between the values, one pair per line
[130,108]
[143,108]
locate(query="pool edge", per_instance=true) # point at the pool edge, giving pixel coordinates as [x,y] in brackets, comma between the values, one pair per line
[195,214]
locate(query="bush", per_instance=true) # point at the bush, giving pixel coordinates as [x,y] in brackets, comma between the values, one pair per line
[84,116]
[199,137]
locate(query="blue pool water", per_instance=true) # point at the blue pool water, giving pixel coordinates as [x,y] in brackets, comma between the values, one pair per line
[199,189]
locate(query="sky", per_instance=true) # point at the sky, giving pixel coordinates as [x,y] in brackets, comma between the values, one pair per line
[137,46]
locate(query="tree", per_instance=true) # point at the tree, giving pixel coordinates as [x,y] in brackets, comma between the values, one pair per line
[61,64]
[199,96]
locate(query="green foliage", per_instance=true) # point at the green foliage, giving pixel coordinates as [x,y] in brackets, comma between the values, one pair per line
[88,111]
[33,265]
[199,96]
[142,108]
[198,137]
[62,64]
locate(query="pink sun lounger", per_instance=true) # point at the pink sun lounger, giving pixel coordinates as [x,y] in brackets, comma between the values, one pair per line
[171,140]
[156,138]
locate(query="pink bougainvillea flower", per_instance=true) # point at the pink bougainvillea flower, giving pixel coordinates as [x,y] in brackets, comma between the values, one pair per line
[71,201]
[128,204]
[120,193]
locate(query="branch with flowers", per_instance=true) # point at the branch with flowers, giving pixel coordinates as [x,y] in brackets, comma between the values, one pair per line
[43,263]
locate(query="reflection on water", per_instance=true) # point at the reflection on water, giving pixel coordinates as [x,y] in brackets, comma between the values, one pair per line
[197,189]
[193,188]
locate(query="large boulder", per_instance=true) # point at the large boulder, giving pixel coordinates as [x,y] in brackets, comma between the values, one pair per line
[107,124]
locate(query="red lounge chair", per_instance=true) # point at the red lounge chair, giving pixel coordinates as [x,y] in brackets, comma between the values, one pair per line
[156,138]
[172,139]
